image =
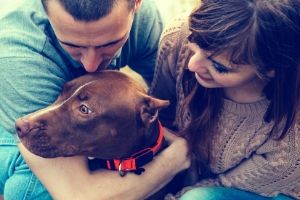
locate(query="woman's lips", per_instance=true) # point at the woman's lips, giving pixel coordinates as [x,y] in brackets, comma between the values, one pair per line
[203,78]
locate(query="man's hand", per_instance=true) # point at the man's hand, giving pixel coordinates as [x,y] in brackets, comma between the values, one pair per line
[79,183]
[177,151]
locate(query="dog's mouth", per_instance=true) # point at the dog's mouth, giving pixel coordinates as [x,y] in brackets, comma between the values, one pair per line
[45,150]
[38,142]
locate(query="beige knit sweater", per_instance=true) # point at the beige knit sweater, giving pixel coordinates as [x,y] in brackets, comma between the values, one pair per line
[244,155]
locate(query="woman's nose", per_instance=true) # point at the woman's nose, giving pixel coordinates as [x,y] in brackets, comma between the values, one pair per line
[198,63]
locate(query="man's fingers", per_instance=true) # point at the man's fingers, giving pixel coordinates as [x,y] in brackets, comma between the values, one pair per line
[178,148]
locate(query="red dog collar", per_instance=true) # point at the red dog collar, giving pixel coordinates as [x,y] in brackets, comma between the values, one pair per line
[135,161]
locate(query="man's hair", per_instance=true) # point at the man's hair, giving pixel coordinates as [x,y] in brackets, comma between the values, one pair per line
[88,10]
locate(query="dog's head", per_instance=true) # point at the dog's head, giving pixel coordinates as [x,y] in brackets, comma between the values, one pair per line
[102,115]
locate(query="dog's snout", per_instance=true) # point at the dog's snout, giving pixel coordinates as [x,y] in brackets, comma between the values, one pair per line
[22,127]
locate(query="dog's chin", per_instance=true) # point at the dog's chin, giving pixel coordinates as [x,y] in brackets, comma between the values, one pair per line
[49,153]
[42,152]
[46,151]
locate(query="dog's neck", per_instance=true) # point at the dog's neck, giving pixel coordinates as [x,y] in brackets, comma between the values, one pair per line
[134,162]
[151,135]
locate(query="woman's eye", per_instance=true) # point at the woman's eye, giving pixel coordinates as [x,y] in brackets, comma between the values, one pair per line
[219,67]
[84,109]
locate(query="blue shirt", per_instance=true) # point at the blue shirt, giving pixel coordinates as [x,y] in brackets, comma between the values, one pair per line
[34,67]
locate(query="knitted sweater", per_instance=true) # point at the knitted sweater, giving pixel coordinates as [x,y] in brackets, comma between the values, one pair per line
[243,155]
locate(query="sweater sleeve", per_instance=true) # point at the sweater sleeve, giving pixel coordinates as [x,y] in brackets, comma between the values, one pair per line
[272,169]
[164,82]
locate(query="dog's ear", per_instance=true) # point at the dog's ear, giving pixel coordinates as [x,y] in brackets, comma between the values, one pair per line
[150,107]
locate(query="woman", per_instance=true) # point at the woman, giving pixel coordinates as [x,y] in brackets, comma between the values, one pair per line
[233,78]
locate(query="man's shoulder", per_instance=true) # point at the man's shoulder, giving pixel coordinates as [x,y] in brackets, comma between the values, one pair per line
[147,17]
[147,9]
[142,44]
[26,43]
[23,27]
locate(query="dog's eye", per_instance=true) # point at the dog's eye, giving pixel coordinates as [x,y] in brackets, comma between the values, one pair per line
[84,109]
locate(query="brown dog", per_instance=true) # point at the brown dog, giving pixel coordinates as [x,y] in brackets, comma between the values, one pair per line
[105,115]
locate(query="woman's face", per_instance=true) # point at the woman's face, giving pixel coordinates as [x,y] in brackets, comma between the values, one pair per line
[218,72]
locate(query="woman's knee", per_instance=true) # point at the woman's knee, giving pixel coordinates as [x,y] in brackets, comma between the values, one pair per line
[202,193]
[220,193]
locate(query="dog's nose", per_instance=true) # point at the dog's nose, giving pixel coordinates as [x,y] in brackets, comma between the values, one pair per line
[22,127]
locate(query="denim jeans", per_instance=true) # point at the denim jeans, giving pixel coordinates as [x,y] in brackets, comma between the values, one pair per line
[222,193]
[17,182]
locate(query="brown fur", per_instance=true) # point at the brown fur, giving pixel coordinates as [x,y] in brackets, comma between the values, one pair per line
[118,124]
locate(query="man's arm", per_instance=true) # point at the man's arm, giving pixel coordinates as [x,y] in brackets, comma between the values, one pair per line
[26,85]
[69,178]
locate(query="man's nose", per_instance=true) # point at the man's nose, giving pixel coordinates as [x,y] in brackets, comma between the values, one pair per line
[91,59]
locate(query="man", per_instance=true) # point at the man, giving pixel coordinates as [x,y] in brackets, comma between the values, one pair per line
[43,45]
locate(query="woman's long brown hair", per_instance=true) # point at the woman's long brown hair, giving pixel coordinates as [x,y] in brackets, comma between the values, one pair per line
[265,34]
